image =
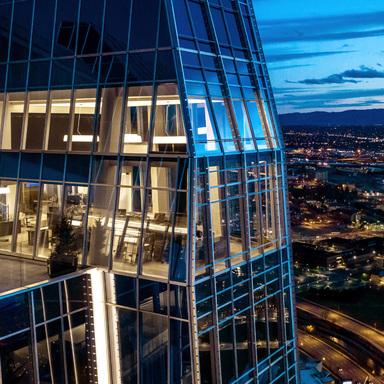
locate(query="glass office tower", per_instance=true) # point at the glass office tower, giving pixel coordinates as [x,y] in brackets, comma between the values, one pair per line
[150,125]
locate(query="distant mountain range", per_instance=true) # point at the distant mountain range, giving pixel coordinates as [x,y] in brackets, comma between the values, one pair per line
[351,117]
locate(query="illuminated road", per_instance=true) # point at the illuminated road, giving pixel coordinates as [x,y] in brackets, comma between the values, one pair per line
[371,335]
[334,359]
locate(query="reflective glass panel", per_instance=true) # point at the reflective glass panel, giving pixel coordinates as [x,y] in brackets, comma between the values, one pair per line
[7,212]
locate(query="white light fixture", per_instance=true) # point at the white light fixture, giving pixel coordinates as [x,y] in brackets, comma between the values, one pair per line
[4,190]
[202,130]
[80,138]
[132,138]
[169,140]
[100,325]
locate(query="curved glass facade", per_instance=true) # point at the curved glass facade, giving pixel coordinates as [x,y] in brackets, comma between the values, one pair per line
[151,126]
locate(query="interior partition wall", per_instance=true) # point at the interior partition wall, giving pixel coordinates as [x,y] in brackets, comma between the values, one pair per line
[151,126]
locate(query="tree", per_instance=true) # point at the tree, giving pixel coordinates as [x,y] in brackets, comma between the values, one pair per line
[66,245]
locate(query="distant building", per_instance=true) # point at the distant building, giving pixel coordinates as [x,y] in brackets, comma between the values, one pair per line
[313,373]
[322,175]
[338,251]
[377,278]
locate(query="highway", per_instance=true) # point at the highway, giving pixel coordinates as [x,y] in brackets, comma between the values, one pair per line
[334,360]
[370,334]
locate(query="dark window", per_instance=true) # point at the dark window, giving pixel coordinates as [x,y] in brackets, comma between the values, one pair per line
[5,24]
[144,24]
[116,24]
[198,20]
[182,19]
[9,164]
[77,168]
[42,29]
[21,29]
[30,165]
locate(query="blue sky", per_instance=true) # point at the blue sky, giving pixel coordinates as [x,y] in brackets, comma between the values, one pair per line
[324,55]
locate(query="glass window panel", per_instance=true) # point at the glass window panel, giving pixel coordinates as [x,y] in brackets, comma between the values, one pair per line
[16,359]
[154,344]
[261,330]
[90,26]
[144,18]
[180,357]
[28,202]
[202,128]
[113,69]
[153,296]
[50,216]
[137,120]
[158,231]
[76,292]
[127,341]
[17,318]
[50,353]
[262,136]
[133,173]
[198,20]
[169,134]
[227,353]
[53,167]
[84,119]
[38,74]
[206,357]
[164,38]
[233,28]
[30,165]
[59,120]
[218,21]
[7,211]
[178,301]
[104,170]
[75,205]
[77,169]
[115,32]
[9,164]
[219,232]
[235,226]
[42,33]
[159,219]
[127,229]
[243,125]
[17,76]
[178,264]
[66,28]
[182,18]
[201,244]
[100,219]
[21,30]
[121,290]
[13,121]
[110,120]
[35,124]
[61,75]
[6,19]
[224,124]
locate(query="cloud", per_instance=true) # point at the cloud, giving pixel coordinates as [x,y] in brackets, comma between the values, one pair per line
[348,76]
[325,99]
[301,55]
[289,66]
[340,27]
[284,38]
[332,79]
[364,73]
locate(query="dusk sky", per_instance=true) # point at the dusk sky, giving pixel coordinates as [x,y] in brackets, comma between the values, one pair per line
[324,55]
